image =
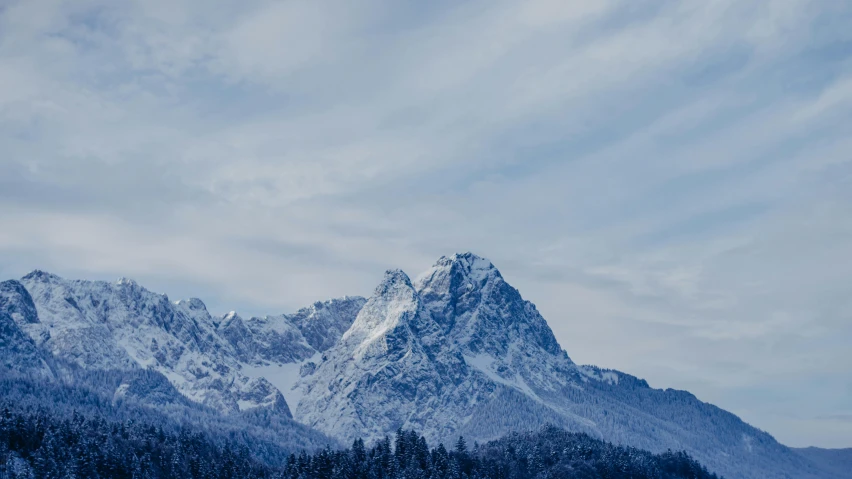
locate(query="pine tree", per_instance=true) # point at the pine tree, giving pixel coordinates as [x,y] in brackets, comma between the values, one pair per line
[461,446]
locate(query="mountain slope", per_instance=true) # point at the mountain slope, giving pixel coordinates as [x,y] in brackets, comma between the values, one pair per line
[135,397]
[391,369]
[460,352]
[838,461]
[496,330]
[100,325]
[16,301]
[323,323]
[290,338]
[18,353]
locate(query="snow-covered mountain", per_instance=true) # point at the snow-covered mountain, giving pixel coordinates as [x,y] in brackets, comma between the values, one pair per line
[99,325]
[393,368]
[121,325]
[458,351]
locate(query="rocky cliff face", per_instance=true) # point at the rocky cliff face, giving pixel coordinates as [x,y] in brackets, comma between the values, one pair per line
[16,301]
[19,355]
[393,368]
[290,338]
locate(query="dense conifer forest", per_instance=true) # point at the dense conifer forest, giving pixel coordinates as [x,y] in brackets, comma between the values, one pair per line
[35,443]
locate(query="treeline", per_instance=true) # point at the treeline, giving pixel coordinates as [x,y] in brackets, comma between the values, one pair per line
[151,400]
[549,453]
[35,444]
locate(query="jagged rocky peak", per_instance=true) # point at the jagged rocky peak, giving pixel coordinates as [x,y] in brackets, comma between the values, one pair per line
[324,322]
[460,270]
[391,369]
[394,301]
[126,282]
[393,281]
[232,324]
[230,318]
[468,296]
[16,301]
[392,322]
[395,288]
[40,276]
[196,309]
[459,283]
[193,304]
[234,330]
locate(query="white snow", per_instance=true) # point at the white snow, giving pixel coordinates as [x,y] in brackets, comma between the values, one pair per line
[610,377]
[480,268]
[590,372]
[482,362]
[283,376]
[120,391]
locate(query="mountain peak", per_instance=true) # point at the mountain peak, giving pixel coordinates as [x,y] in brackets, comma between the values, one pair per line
[468,296]
[461,270]
[126,282]
[324,322]
[468,256]
[40,275]
[457,275]
[470,261]
[231,318]
[194,304]
[394,304]
[394,279]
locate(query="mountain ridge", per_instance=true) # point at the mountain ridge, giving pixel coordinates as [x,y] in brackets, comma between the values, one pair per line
[103,325]
[458,350]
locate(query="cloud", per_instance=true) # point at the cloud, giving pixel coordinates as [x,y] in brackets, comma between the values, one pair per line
[668,182]
[837,417]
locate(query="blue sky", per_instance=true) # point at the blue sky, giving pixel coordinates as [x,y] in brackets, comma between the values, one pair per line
[670,181]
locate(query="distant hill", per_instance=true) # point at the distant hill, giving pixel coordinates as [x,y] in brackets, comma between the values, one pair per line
[837,460]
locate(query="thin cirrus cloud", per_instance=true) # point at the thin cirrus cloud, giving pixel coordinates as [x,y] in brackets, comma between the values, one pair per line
[668,181]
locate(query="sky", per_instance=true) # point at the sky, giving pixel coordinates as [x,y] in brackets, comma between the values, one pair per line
[670,182]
